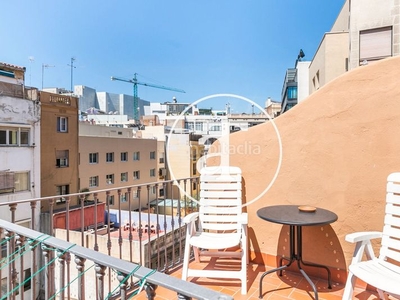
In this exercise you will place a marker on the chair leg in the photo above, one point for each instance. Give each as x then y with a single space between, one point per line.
382 295
186 258
196 253
349 288
243 276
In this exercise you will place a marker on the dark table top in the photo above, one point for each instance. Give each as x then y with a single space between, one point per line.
291 215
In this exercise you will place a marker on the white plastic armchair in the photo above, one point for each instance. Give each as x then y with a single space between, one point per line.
382 272
219 224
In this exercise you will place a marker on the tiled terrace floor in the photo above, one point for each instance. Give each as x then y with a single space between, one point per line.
290 285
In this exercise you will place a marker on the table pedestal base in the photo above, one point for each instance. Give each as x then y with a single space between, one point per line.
298 258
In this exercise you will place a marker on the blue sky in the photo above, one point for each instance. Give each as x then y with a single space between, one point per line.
203 47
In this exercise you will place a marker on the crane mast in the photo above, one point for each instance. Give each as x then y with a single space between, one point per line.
135 83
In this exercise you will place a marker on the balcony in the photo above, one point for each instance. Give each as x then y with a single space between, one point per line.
114 254
18 91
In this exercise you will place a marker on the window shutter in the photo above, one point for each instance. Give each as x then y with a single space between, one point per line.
6 180
375 43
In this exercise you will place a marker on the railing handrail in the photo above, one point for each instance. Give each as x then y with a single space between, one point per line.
95 191
184 288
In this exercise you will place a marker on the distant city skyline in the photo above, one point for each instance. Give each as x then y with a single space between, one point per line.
204 48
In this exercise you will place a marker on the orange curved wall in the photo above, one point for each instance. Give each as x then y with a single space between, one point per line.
338 147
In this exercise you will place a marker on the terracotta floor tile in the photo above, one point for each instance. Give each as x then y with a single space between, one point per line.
289 286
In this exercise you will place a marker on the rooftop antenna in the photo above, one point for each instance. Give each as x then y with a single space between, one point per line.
31 59
72 72
45 66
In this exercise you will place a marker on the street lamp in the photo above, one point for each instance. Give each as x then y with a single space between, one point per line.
43 67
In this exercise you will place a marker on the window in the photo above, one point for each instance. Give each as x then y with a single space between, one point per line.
194 169
24 137
216 128
136 155
94 181
152 172
3 248
123 197
375 44
62 158
27 280
292 92
62 190
153 155
194 154
4 288
93 158
110 179
11 182
111 199
124 177
14 136
199 126
62 124
110 157
162 172
124 156
161 192
161 159
154 189
189 125
136 175
135 194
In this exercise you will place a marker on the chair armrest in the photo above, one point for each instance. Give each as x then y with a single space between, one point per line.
363 236
190 217
244 219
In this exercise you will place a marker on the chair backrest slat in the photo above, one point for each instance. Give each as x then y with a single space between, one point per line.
392 220
390 244
220 204
393 198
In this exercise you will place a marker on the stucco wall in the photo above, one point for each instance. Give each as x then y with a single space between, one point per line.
338 147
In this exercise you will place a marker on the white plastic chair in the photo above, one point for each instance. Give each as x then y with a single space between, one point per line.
380 272
218 225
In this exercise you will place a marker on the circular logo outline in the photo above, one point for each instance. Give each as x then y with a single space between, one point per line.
240 98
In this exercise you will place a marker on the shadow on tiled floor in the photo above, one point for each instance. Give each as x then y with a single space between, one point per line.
291 285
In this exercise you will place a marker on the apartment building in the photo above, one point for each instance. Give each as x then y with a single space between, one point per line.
111 157
108 103
59 147
273 108
364 31
19 158
19 140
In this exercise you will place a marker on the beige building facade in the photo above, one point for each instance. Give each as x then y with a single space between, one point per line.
365 31
59 147
111 157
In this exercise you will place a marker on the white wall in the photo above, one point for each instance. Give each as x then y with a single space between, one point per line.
16 112
302 80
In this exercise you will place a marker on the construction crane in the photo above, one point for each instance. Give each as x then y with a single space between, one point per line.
135 83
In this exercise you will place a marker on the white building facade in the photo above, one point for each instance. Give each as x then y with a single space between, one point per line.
19 156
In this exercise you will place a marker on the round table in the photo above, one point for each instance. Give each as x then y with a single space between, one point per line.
294 217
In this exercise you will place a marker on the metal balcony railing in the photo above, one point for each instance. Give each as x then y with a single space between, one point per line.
113 254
